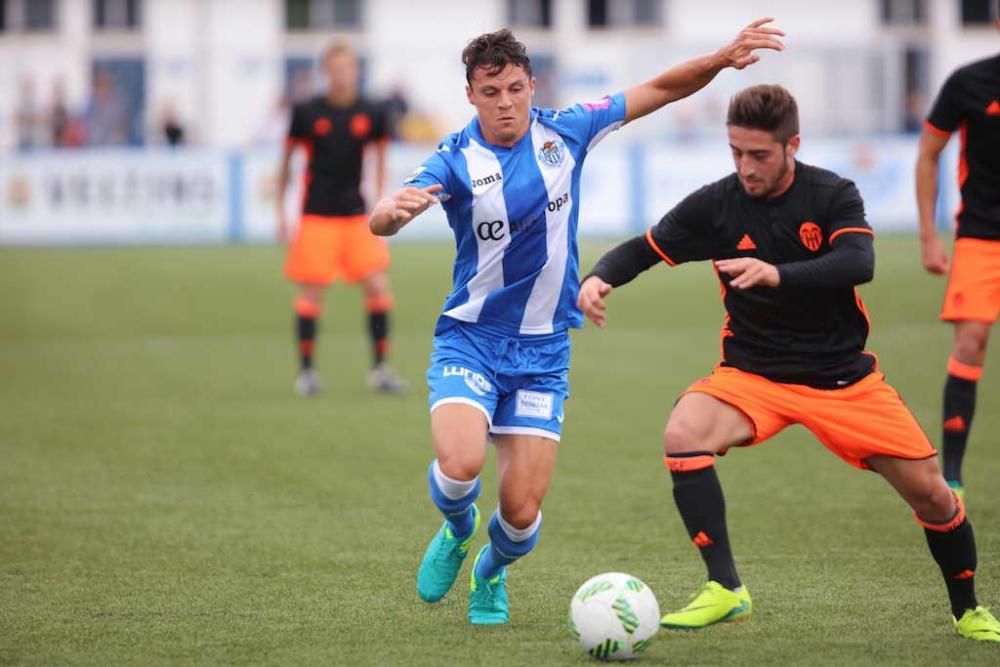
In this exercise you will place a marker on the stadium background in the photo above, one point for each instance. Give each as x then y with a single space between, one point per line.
165 499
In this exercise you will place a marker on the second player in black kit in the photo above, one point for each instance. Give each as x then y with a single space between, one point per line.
332 241
335 138
793 333
969 105
790 243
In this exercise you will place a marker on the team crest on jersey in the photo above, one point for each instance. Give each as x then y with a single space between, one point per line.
322 127
361 125
811 235
552 153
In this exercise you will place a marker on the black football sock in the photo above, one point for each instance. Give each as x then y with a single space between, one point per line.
953 546
702 506
378 330
305 327
959 408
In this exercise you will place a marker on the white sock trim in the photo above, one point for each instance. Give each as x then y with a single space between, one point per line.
519 534
453 489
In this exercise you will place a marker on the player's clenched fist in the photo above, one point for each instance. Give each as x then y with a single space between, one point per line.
934 255
591 301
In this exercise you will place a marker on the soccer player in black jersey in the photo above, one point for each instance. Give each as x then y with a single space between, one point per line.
969 103
332 240
789 242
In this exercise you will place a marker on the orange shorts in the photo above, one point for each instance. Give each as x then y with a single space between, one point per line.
326 249
974 282
865 419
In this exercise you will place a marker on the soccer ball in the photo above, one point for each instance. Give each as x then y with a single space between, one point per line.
614 616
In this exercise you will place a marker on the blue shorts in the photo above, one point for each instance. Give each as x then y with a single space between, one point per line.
519 382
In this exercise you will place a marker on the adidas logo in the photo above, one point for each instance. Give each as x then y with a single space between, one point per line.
993 109
746 243
701 540
955 423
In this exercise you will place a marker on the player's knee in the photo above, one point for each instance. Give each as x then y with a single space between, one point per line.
970 347
458 467
680 436
522 513
934 502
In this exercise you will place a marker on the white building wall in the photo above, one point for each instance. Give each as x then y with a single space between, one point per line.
220 62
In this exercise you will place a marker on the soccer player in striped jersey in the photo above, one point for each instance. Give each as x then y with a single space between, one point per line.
510 185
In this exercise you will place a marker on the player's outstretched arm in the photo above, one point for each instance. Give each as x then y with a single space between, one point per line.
616 267
393 213
689 77
933 253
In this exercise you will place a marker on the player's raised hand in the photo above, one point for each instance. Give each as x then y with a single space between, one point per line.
749 272
392 213
934 255
758 35
591 301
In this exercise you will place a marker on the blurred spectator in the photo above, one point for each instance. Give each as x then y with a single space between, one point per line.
396 108
173 131
913 114
58 116
107 116
27 118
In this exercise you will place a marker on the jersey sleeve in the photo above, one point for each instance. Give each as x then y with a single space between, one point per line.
946 114
433 170
847 213
298 128
380 123
590 122
684 233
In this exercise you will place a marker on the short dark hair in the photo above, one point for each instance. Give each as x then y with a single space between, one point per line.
494 51
765 107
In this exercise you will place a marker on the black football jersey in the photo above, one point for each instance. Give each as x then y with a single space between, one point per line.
334 138
969 103
799 335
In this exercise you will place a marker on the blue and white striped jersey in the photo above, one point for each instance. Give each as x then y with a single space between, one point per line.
513 211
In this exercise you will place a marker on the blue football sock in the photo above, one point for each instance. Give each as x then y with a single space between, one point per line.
457 511
504 550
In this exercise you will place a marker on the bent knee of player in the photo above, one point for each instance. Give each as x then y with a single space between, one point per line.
933 501
521 512
376 285
458 464
970 344
681 436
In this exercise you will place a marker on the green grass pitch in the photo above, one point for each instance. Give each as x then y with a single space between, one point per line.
165 498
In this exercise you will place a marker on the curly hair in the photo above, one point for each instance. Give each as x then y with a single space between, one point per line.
494 51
